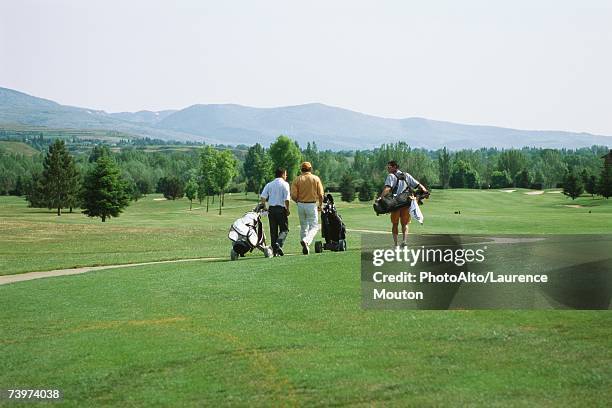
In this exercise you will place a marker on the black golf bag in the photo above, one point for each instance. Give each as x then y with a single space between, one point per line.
246 234
389 203
333 229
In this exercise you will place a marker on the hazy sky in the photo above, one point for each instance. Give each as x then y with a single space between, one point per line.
524 64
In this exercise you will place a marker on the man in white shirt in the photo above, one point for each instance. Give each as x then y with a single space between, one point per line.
396 185
277 194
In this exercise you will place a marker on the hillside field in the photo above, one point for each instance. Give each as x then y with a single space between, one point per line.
18 148
285 331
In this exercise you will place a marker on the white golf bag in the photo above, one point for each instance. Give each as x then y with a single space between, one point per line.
246 234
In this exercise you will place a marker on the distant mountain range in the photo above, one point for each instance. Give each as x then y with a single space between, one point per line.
328 126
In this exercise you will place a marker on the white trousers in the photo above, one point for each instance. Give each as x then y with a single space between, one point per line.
309 221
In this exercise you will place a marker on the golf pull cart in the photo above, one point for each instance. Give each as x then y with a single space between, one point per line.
333 229
247 234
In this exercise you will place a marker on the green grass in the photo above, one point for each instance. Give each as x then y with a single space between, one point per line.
282 331
497 212
18 148
68 133
153 229
278 332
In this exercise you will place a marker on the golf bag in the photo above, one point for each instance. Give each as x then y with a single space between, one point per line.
333 229
389 203
246 234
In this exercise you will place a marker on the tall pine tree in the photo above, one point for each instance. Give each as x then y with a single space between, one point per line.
604 186
347 188
59 184
104 191
444 167
73 183
572 186
366 191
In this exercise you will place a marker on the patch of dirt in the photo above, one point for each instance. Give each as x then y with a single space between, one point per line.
553 192
573 205
507 191
534 192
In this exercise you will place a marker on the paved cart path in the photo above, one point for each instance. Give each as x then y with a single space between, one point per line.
6 279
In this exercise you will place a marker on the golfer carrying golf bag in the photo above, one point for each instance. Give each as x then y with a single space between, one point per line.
396 182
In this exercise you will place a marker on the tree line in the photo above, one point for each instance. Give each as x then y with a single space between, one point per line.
362 173
61 180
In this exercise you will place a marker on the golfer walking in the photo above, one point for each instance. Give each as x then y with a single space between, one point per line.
277 193
396 183
307 191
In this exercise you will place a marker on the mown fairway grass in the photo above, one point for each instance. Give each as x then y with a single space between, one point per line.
151 229
283 331
155 229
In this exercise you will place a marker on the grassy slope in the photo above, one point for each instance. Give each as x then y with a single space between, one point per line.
18 148
283 331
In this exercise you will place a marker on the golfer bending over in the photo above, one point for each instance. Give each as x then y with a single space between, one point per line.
277 193
307 192
396 185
